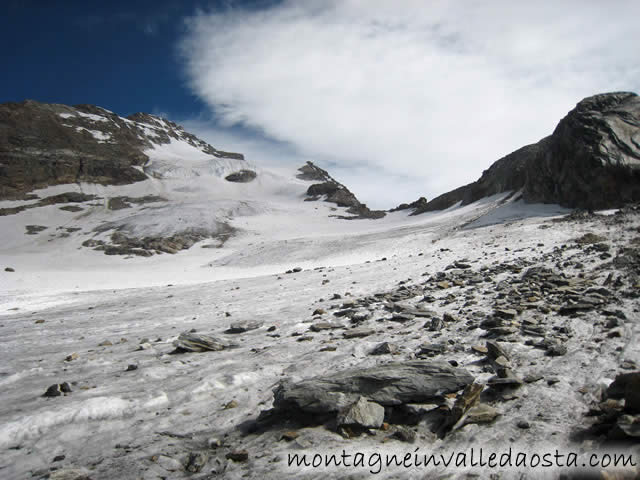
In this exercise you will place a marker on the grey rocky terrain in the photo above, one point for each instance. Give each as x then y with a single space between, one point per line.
443 349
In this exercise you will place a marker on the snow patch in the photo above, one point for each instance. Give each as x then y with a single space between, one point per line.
102 137
95 118
180 159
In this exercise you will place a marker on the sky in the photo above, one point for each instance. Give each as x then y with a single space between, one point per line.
396 99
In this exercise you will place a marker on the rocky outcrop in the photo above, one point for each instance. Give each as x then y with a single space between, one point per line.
243 176
121 244
49 144
420 203
334 192
591 161
67 197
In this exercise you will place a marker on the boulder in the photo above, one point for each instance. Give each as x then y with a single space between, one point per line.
196 342
388 384
243 176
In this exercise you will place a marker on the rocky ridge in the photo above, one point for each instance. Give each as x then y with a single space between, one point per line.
334 192
49 144
591 161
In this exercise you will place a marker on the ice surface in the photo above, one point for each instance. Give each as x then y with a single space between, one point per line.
116 420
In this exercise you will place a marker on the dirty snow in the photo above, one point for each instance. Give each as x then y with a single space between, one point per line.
142 423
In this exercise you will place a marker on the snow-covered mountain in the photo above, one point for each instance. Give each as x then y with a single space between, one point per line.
170 310
83 181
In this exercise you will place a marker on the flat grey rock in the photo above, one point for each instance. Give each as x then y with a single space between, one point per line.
196 342
388 384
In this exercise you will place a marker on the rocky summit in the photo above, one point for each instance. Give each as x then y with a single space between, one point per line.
590 161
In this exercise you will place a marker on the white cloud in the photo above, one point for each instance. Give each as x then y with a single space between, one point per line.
428 91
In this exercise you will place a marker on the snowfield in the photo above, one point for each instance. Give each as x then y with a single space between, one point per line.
106 325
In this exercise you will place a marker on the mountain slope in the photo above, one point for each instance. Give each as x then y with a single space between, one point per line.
140 185
50 144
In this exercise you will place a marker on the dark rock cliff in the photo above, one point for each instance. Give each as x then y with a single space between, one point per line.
592 161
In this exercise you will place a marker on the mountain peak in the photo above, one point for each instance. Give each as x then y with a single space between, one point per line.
591 161
45 144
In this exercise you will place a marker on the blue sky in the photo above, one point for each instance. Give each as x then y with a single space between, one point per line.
121 55
397 103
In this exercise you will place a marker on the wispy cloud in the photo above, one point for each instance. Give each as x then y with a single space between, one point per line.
428 91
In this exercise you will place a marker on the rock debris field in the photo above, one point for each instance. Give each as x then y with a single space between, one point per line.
521 334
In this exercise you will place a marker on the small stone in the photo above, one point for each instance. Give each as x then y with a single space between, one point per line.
58 458
71 357
40 320
214 443
236 328
196 461
502 361
320 326
358 333
131 368
385 348
362 413
434 325
448 317
319 311
432 349
404 434
329 348
481 413
402 317
106 343
523 424
480 349
238 455
443 285
615 333
290 435
53 391
506 313
168 463
556 349
231 404
9 269
532 378
194 342
494 350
